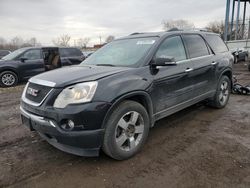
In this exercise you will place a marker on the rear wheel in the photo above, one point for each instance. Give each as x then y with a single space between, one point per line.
221 97
8 79
126 130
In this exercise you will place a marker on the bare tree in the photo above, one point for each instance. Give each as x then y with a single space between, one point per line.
62 40
216 27
17 42
109 38
179 24
2 41
32 41
83 42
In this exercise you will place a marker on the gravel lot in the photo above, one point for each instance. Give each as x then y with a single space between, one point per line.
197 147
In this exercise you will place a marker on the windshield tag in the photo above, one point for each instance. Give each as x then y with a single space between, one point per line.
145 42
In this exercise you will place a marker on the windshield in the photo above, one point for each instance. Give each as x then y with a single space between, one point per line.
125 52
14 54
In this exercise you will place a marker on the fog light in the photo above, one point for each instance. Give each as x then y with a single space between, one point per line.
68 125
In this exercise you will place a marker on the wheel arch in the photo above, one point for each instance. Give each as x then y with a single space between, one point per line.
9 69
229 73
141 97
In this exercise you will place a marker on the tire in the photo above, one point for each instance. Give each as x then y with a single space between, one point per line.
8 79
222 95
126 130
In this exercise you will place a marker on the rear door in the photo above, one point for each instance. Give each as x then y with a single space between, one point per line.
204 63
33 64
172 85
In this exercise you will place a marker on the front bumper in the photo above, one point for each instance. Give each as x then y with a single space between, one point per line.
82 143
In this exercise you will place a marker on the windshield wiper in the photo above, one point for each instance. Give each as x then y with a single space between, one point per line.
110 65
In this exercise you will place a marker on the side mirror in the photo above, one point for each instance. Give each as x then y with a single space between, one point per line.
164 61
23 59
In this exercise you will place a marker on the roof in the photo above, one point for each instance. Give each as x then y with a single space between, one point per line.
165 33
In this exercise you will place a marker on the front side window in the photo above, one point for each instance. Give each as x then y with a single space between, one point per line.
32 54
196 46
124 52
172 47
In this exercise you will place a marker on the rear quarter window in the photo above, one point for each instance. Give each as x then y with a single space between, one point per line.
196 45
216 43
69 52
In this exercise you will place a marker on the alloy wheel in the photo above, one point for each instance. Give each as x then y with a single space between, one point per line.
224 92
129 131
8 79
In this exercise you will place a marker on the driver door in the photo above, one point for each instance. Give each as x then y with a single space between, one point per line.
33 63
173 84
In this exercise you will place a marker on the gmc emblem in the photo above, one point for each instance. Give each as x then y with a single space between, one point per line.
33 92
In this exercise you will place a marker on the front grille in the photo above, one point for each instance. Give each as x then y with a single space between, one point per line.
39 92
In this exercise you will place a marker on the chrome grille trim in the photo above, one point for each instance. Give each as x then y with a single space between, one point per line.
42 82
24 99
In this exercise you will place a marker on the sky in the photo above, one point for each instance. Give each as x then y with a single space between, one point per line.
48 19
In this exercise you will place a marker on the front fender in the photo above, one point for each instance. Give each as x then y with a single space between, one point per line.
130 96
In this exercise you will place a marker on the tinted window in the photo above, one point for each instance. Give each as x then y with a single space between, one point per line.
69 52
196 46
172 47
216 43
32 54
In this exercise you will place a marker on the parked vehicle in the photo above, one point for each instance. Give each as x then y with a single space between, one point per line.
27 62
88 53
240 54
111 100
4 53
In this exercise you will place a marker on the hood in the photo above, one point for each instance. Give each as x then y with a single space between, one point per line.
75 74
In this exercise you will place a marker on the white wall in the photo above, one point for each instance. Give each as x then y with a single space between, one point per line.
239 44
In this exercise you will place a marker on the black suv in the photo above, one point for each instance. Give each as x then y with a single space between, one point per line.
27 62
112 99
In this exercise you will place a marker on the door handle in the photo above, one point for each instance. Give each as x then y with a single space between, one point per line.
214 63
189 70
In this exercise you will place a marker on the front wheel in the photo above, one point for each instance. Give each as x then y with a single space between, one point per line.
8 79
221 97
126 130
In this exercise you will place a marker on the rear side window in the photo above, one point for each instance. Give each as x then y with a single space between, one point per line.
172 47
216 43
69 52
196 46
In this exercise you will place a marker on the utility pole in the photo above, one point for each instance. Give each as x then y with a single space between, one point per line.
227 20
249 29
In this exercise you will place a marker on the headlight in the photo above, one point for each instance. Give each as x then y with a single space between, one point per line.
79 93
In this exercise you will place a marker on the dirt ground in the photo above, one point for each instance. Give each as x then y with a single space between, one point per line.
197 147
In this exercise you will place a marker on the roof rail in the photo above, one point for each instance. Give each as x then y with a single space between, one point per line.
190 29
136 33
